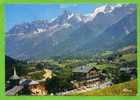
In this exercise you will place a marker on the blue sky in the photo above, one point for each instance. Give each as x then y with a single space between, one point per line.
16 14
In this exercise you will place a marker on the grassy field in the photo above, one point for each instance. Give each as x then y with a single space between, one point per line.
129 57
101 66
122 89
105 53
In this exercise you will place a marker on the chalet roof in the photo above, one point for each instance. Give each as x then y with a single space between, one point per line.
25 82
14 90
15 76
82 69
33 82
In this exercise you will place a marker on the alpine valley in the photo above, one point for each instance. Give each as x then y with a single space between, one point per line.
108 27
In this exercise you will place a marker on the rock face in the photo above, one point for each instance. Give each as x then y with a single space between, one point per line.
74 34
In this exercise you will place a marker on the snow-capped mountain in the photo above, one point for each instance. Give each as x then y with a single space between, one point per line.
68 17
67 33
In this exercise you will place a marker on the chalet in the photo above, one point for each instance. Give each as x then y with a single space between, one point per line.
85 75
35 87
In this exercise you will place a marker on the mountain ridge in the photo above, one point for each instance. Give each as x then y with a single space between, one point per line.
68 33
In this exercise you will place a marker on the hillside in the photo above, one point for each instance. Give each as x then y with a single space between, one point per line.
127 88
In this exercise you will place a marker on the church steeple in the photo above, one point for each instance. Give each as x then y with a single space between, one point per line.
14 79
15 76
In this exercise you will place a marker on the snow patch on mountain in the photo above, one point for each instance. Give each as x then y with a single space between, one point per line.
66 25
39 30
106 9
70 16
103 9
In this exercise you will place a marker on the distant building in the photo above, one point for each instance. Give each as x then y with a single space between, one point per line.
85 75
127 69
132 71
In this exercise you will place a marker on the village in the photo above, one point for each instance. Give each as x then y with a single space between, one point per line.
89 79
80 76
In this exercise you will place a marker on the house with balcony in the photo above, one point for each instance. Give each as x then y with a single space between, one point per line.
85 75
